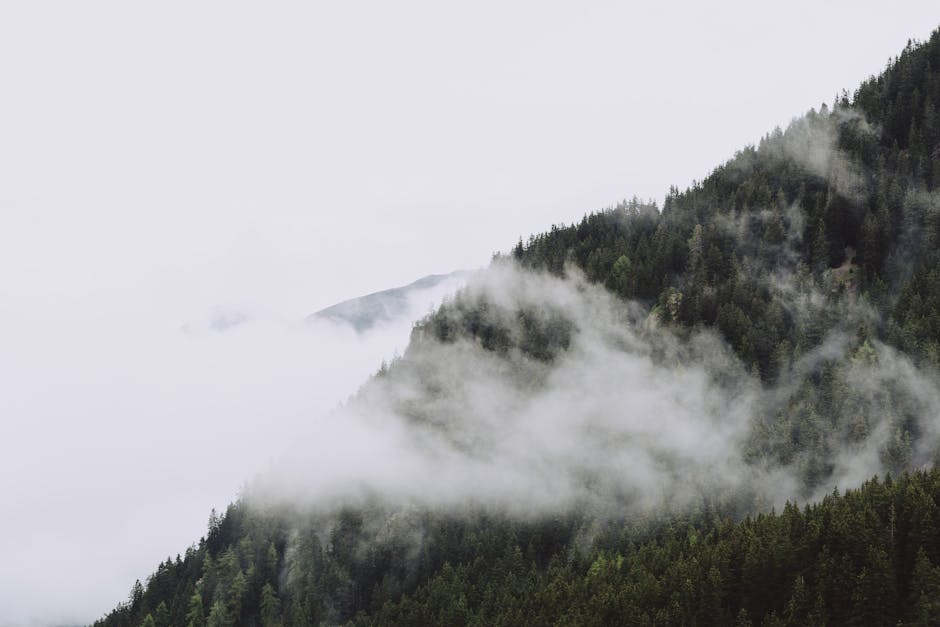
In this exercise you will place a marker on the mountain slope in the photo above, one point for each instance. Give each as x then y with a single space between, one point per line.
584 421
365 312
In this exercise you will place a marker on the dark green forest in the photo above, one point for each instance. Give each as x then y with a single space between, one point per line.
824 234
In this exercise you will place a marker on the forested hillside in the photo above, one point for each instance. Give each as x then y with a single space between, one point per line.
607 418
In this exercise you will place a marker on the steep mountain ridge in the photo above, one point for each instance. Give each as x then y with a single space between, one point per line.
793 295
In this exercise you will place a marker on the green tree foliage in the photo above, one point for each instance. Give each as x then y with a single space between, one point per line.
270 607
196 616
830 226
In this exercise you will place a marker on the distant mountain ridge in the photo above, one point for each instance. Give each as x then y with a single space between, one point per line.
366 312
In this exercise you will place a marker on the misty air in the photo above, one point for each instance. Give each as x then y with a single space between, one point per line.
424 314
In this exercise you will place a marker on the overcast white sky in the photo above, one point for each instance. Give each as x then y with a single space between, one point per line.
162 161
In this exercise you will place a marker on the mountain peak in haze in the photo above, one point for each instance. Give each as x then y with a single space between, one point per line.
366 312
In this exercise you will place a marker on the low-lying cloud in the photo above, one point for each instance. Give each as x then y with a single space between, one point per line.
123 425
626 417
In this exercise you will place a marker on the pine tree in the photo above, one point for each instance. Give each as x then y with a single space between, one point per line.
196 616
270 607
162 616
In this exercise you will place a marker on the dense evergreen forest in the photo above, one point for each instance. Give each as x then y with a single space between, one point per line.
814 257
